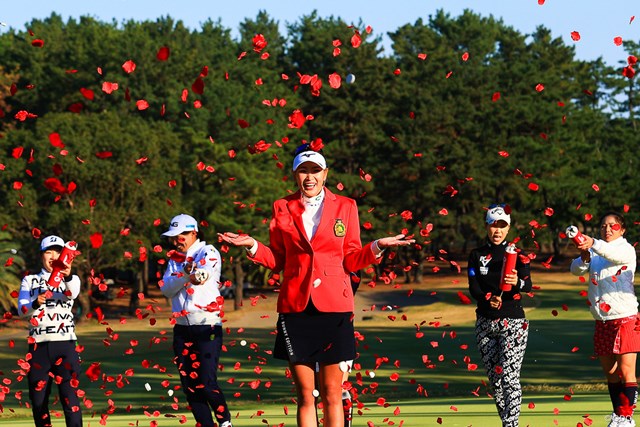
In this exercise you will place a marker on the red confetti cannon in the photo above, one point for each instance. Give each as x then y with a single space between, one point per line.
574 234
508 264
69 252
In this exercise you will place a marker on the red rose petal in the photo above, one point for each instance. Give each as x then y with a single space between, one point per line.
163 53
335 81
96 240
628 72
55 140
356 40
259 43
109 87
87 93
198 86
129 66
296 119
463 298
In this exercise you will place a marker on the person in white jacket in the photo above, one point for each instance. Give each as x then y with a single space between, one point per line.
192 282
611 263
52 337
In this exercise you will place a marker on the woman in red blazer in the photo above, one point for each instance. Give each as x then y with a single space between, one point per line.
315 241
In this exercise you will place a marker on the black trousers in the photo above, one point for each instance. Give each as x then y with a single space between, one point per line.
60 359
197 350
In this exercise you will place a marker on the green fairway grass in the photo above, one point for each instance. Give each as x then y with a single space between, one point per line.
417 363
549 410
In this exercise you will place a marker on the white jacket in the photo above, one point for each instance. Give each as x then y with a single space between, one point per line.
194 304
611 270
53 320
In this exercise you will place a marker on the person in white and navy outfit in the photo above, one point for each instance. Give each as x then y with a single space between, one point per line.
52 337
192 282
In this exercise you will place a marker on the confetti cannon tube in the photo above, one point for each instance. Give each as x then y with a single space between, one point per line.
508 264
574 234
69 252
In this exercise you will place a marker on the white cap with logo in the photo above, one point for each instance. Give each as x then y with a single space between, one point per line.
498 213
51 241
309 156
180 224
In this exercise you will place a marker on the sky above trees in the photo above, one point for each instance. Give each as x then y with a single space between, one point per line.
597 22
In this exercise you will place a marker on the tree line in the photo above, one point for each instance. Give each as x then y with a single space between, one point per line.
109 129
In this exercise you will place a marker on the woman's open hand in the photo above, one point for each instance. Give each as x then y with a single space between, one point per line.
399 240
237 239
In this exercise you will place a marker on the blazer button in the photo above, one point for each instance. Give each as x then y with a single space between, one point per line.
316 283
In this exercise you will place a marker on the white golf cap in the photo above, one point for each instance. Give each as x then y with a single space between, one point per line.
51 241
309 156
181 223
498 213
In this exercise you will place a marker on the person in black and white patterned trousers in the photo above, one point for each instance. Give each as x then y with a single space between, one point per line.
501 327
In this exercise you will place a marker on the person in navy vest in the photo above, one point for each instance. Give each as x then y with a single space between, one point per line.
192 282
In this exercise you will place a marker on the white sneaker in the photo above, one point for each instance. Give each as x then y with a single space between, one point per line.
226 424
620 421
626 422
614 420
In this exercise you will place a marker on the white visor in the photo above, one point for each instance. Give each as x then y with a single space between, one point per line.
309 156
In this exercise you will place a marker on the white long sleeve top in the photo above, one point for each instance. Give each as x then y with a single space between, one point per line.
194 304
611 272
53 320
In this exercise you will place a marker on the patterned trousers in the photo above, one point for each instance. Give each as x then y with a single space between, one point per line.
502 343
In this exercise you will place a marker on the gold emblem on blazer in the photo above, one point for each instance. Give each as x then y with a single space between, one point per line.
339 229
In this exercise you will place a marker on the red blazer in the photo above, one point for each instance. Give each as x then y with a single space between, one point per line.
318 268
